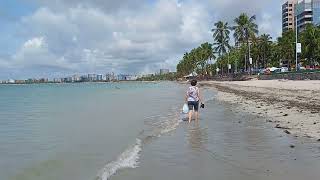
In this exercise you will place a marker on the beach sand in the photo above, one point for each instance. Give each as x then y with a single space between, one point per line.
293 106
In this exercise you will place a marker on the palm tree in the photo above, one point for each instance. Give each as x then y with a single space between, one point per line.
221 37
197 59
222 46
221 29
264 47
286 45
201 57
310 39
188 63
245 29
208 53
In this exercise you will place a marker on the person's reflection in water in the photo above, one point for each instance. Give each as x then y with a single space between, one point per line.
197 137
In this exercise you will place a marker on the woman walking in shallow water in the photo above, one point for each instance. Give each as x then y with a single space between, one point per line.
193 98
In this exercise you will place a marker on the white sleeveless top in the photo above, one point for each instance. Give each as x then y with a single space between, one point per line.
192 93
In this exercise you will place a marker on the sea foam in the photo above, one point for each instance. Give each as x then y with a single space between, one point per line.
128 159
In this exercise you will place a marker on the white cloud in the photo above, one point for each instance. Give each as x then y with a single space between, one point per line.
109 6
35 53
31 49
124 35
89 38
34 43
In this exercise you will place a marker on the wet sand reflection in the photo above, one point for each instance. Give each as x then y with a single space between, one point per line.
197 136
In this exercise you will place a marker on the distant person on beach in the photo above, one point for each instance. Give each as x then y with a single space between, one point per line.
193 98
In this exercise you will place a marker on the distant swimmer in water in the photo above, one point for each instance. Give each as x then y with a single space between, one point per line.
193 97
117 87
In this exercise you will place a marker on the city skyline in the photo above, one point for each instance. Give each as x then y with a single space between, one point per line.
46 38
84 77
75 78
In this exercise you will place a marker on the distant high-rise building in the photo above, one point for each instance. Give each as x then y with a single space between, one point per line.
110 77
10 81
307 12
288 15
57 80
76 78
302 12
84 78
164 71
122 77
92 77
43 80
99 77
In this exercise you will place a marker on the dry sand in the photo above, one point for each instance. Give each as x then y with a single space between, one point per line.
293 106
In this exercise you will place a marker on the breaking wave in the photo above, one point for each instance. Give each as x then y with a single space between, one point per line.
156 126
128 159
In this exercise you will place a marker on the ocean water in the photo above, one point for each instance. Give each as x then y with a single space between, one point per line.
133 131
81 131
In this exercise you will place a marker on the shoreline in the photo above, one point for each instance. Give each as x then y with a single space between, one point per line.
92 82
293 106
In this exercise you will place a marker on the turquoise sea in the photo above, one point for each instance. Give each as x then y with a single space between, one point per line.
100 131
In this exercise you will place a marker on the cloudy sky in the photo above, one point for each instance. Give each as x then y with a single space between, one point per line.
54 38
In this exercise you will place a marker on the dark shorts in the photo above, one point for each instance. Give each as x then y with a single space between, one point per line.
193 105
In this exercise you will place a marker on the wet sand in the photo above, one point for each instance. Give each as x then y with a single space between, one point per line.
293 106
226 145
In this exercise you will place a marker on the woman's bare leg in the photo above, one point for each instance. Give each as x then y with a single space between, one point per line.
190 115
197 115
